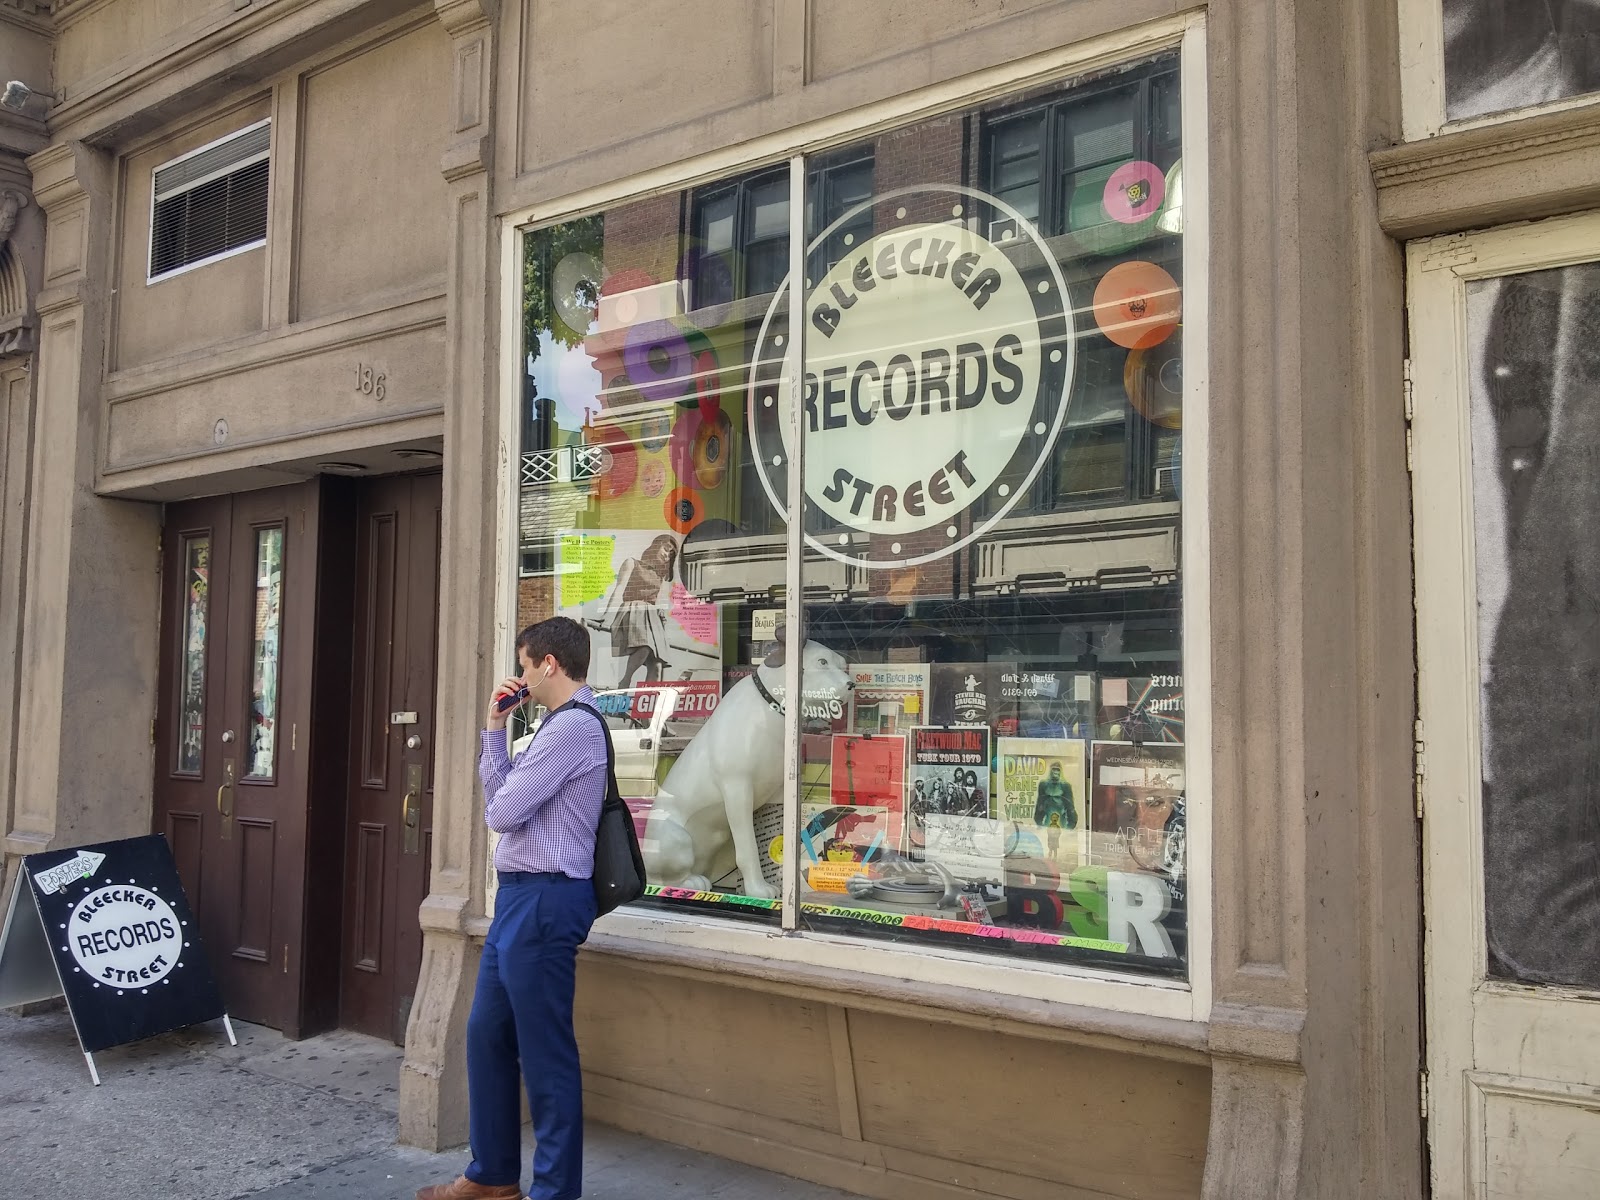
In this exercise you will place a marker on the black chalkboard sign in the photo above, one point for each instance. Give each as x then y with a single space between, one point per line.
124 944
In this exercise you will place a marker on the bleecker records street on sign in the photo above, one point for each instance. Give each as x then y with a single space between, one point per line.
938 365
117 926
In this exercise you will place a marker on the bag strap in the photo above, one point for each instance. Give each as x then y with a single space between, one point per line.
613 789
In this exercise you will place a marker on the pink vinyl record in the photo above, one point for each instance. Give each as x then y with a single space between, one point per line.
1134 192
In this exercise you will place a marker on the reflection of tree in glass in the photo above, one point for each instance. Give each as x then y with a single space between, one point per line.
545 250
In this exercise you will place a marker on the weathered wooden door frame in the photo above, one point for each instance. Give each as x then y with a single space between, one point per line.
1478 1053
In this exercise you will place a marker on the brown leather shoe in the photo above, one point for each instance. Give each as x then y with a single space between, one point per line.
464 1189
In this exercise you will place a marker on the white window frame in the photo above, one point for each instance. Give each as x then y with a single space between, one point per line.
150 233
1422 100
1069 983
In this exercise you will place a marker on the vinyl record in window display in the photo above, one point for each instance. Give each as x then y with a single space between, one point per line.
619 465
575 290
658 360
1134 193
1098 230
654 432
1137 305
653 477
684 509
1153 380
709 454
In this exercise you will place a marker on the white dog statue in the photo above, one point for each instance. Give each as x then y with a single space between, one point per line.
701 824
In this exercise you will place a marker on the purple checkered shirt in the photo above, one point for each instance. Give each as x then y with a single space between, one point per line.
546 805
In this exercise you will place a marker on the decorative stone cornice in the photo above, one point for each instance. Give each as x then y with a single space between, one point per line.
32 14
58 174
1510 170
460 17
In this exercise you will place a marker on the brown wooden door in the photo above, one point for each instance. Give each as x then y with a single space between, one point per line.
390 821
235 691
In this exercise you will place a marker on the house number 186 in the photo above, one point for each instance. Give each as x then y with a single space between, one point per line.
370 382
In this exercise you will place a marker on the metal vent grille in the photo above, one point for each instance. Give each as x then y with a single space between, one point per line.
211 202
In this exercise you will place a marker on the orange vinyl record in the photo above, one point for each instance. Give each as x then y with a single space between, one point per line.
1137 305
709 453
684 509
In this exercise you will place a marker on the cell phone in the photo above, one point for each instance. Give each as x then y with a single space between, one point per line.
511 700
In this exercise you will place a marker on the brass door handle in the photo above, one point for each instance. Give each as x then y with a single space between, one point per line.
225 801
411 811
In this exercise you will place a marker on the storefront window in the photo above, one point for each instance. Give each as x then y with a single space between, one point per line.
640 515
991 711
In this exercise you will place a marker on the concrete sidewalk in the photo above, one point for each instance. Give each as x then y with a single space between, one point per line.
188 1117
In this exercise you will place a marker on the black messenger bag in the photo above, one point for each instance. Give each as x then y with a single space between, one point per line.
618 864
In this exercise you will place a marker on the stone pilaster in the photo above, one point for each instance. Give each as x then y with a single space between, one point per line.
433 1085
1314 1030
87 650
21 265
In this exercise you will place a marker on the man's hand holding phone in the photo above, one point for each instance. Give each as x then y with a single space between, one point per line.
511 695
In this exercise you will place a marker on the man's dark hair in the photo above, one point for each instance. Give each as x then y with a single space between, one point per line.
563 639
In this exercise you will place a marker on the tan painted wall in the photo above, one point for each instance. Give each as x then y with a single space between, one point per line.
276 396
919 1104
372 199
200 307
846 34
24 55
119 31
672 79
582 92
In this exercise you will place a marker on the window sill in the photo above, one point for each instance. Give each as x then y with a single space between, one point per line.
1145 1016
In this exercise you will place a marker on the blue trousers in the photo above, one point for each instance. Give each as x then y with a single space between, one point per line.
521 1023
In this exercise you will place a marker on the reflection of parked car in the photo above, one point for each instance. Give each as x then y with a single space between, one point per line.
643 728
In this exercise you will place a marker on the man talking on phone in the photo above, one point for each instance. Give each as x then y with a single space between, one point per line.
545 806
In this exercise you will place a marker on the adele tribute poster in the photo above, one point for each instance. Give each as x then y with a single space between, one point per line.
1535 394
1505 54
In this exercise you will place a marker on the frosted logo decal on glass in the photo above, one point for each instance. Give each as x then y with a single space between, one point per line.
935 373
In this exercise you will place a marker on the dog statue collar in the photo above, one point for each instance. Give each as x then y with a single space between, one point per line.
766 694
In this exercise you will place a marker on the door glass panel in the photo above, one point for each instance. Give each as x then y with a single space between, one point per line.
1508 54
267 620
192 670
1535 371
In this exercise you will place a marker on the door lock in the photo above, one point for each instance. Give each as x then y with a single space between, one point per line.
227 737
413 742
